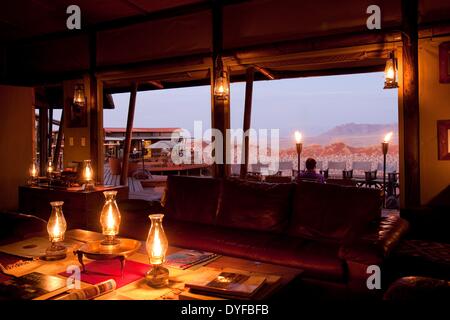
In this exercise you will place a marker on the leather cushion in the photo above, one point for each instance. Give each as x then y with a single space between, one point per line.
192 199
255 205
319 260
326 211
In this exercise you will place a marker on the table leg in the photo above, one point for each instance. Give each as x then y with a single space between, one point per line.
122 265
80 259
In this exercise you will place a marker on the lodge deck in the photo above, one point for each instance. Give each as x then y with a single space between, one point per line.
136 190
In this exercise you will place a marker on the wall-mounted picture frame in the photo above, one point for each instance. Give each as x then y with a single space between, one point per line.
443 133
444 62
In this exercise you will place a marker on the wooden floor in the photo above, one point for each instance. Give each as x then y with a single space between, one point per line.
136 191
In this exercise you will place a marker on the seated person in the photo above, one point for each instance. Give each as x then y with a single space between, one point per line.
310 172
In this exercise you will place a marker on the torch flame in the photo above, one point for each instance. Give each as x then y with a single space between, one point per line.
388 137
298 137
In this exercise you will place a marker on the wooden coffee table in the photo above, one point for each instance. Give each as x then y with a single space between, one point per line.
139 290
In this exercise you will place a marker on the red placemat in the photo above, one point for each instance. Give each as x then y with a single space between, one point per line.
99 271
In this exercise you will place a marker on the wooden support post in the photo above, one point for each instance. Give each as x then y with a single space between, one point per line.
50 131
247 119
129 132
59 140
43 141
95 138
96 112
411 103
220 109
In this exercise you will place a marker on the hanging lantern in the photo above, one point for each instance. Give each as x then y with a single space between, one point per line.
390 73
221 83
79 96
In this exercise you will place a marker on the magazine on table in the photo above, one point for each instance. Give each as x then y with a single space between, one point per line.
32 286
187 258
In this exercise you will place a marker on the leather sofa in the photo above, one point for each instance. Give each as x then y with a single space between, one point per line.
332 232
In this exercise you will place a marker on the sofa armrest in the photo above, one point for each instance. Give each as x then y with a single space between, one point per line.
18 226
374 246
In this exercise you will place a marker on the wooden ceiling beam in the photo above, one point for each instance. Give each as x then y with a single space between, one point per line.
157 84
265 72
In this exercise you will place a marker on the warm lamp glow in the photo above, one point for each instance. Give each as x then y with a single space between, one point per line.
50 166
34 172
56 226
221 82
298 137
110 217
390 73
156 244
79 96
221 88
88 172
388 137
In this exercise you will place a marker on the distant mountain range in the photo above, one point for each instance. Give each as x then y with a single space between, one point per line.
355 135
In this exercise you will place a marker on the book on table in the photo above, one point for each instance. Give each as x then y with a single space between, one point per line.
227 284
32 286
187 258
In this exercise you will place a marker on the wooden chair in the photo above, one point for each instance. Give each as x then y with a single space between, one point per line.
336 166
360 167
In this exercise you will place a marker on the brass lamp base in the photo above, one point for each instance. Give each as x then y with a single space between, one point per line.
89 186
157 276
110 241
55 252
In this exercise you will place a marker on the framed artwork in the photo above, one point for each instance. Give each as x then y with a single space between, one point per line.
444 62
443 133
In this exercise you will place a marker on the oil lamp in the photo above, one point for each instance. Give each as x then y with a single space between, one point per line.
79 96
299 145
221 83
50 168
110 218
34 173
156 245
88 175
390 73
56 228
384 149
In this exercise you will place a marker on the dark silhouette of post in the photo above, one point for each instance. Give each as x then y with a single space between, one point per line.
247 120
129 132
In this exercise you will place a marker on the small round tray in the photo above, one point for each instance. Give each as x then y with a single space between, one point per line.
95 250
